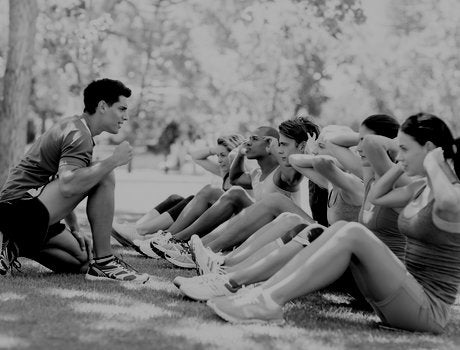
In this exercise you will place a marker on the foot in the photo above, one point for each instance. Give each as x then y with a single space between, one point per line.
115 270
205 259
181 258
251 307
205 287
8 255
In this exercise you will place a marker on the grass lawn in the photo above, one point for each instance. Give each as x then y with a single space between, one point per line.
43 310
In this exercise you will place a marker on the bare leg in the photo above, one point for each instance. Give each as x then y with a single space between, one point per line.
148 217
253 218
62 253
232 202
159 222
251 272
266 234
332 254
205 197
100 211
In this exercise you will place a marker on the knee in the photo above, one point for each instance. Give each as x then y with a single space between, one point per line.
234 194
351 233
174 198
290 217
205 192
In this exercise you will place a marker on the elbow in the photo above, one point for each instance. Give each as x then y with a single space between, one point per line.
322 165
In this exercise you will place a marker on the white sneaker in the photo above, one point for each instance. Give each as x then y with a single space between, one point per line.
178 280
180 258
208 286
205 259
144 248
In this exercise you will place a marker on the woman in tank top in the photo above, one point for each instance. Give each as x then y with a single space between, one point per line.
416 295
259 257
170 213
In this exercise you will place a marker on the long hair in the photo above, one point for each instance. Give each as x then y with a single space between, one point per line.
382 124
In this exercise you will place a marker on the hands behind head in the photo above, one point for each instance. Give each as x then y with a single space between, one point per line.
435 156
272 146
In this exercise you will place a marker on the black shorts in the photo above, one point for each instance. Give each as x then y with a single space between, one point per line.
25 221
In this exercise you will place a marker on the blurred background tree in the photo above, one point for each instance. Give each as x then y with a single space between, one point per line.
216 66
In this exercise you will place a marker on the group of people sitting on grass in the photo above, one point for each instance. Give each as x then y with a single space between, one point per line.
384 224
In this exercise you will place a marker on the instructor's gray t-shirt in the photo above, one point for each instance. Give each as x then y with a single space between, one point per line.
69 142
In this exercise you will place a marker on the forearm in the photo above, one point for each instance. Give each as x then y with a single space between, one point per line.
78 181
345 139
237 167
442 179
301 160
71 221
202 153
385 184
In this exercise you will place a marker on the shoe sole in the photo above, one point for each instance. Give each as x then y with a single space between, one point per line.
234 320
199 272
106 279
122 240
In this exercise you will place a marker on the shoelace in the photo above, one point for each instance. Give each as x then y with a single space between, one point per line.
124 264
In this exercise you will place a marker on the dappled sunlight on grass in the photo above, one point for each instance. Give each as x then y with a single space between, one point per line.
9 317
11 296
345 315
134 311
221 335
7 342
154 283
73 293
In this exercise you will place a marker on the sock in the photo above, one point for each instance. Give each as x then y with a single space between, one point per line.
104 259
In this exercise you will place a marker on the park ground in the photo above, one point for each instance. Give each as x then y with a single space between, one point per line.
43 310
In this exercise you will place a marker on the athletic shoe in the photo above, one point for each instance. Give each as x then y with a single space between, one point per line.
115 270
205 259
181 259
250 307
171 247
208 286
125 234
178 280
144 248
8 256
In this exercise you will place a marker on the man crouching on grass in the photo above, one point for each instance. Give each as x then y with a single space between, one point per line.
54 176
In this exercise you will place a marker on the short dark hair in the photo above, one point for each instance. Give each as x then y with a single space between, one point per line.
107 90
298 129
424 127
382 124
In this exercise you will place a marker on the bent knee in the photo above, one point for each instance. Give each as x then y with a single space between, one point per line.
352 233
290 217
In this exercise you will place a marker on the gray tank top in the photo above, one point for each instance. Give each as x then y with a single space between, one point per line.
433 258
383 222
338 209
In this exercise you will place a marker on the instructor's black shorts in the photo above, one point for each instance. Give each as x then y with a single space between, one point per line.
25 221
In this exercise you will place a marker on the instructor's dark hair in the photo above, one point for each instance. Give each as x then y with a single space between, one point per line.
107 90
424 127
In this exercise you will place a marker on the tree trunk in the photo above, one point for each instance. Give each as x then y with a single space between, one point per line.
17 83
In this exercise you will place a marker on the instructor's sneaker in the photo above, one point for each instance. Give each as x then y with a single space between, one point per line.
205 259
115 270
8 256
208 286
251 307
